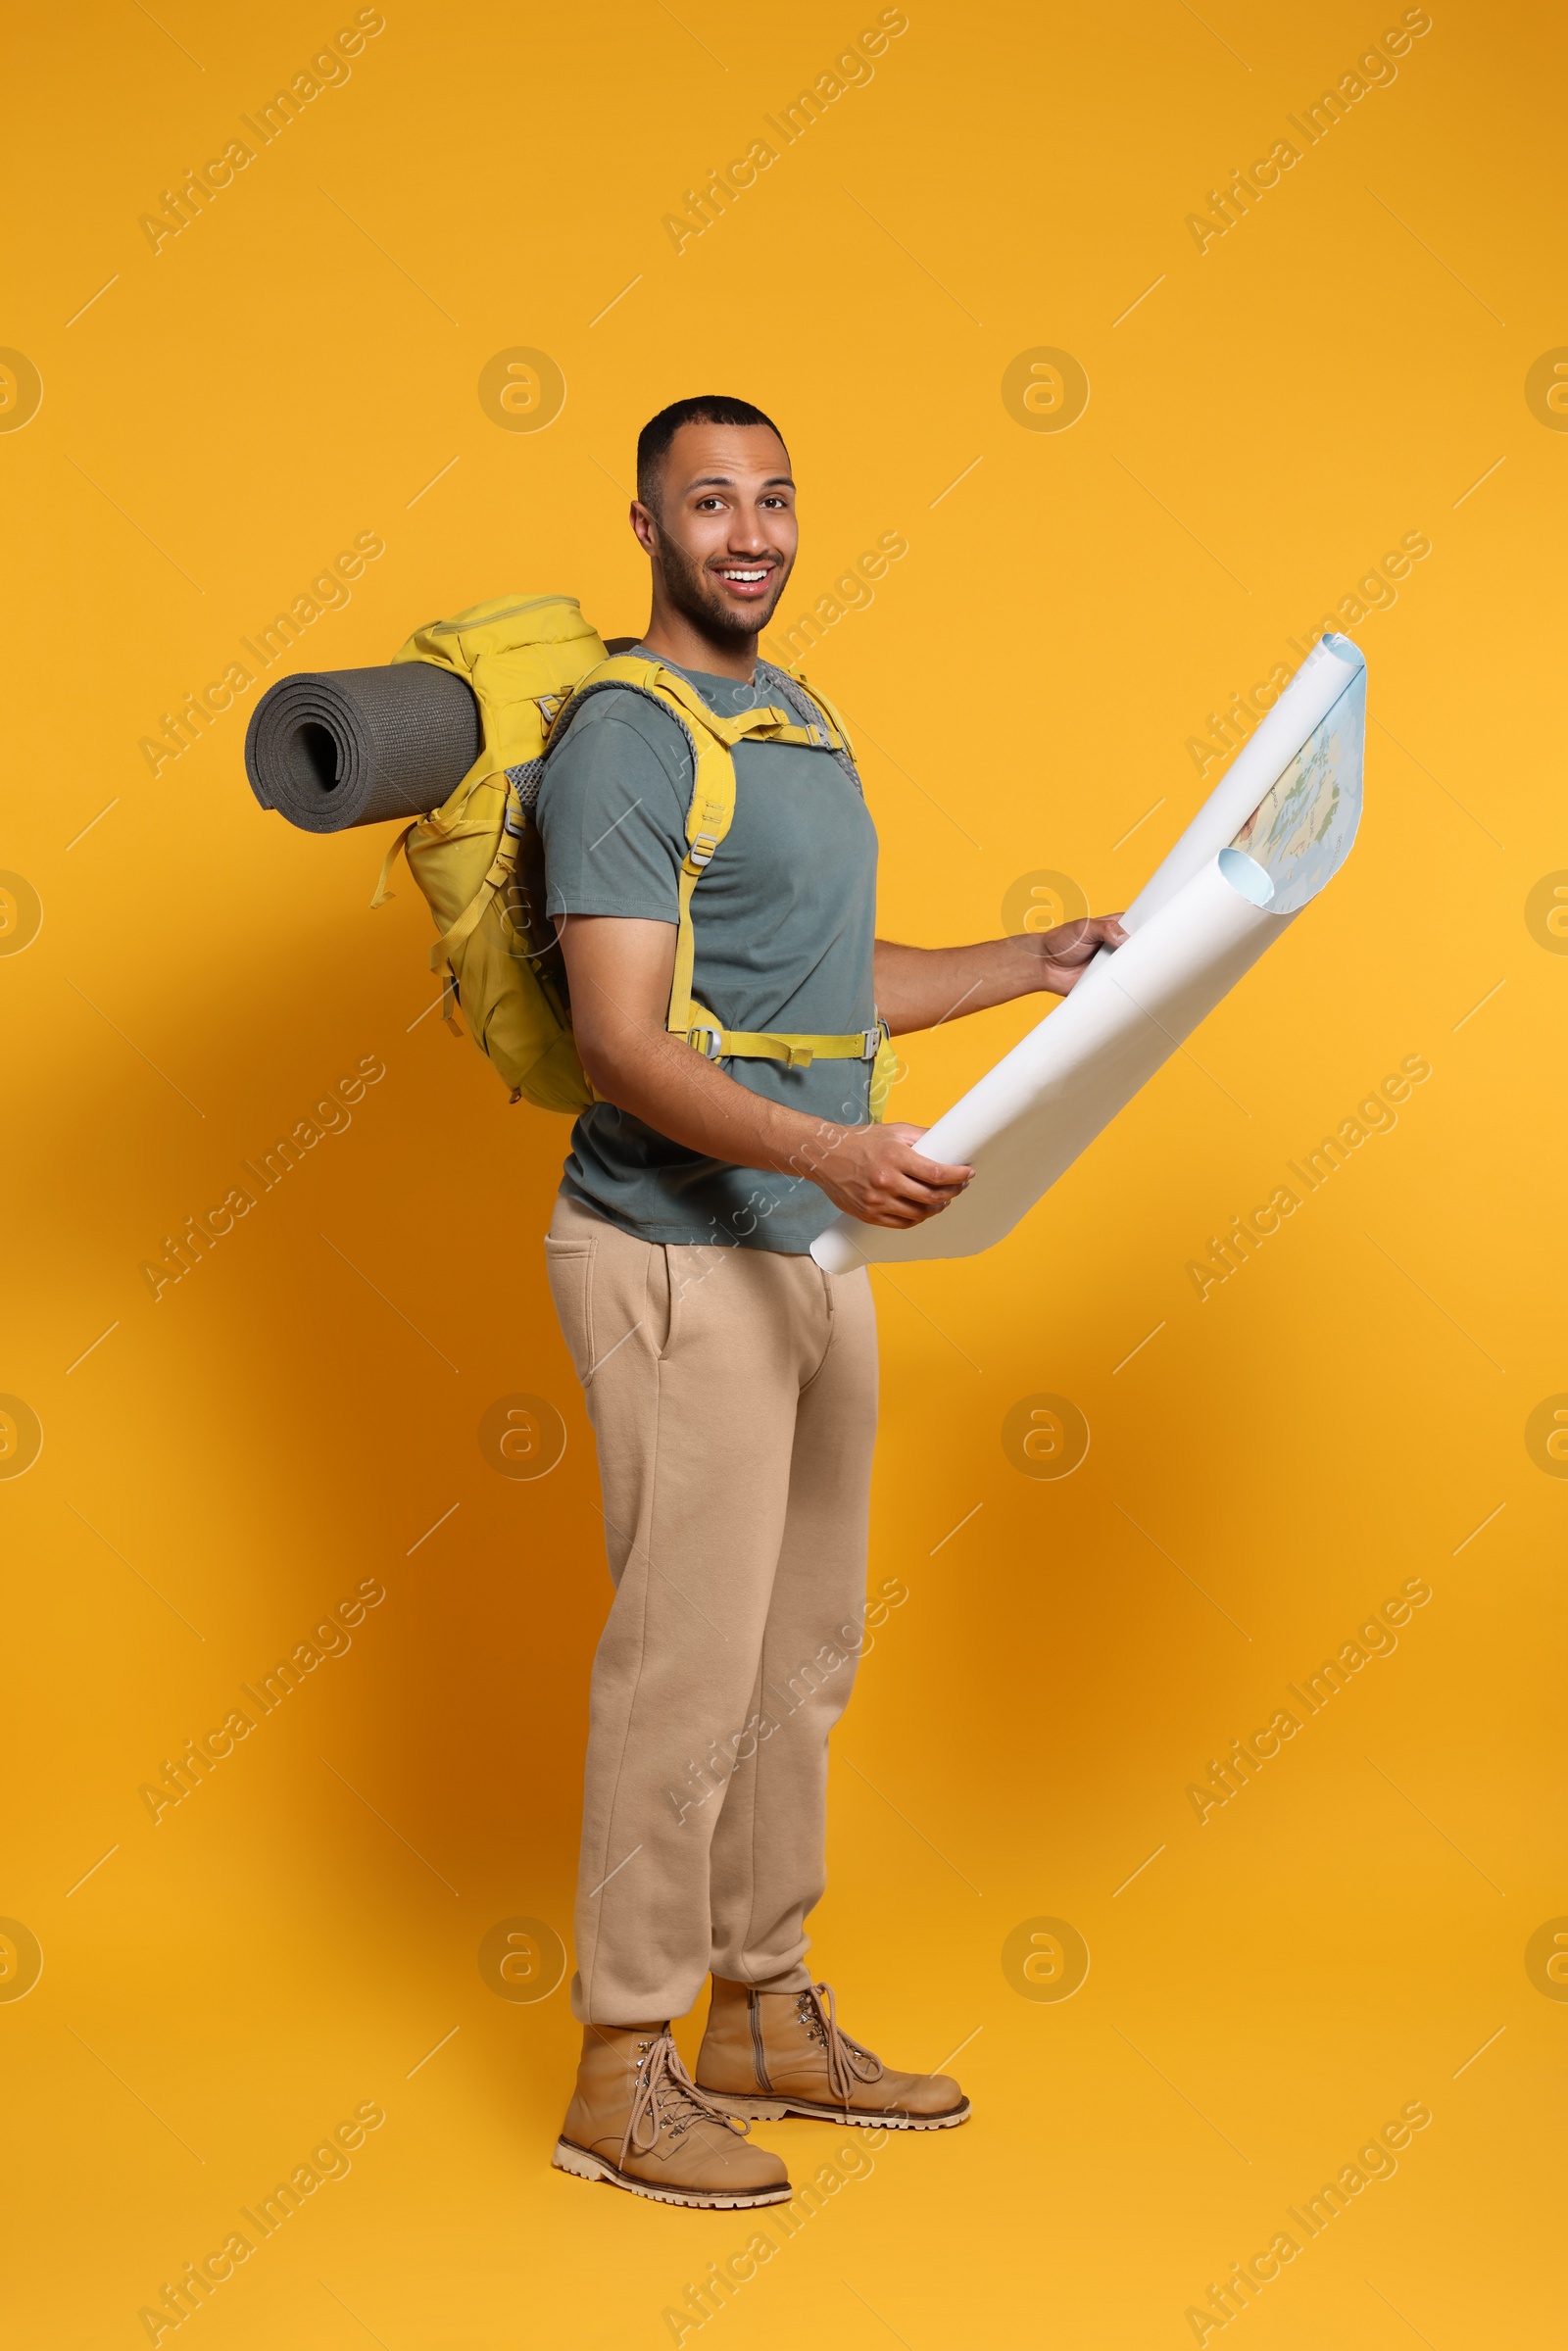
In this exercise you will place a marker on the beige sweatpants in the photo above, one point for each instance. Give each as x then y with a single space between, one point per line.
733 1398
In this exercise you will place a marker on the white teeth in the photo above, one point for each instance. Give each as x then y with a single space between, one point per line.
748 578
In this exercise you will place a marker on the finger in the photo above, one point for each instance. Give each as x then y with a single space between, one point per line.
917 1214
900 1195
898 1218
927 1176
907 1191
909 1137
936 1173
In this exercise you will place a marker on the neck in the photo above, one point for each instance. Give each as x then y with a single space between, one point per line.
677 637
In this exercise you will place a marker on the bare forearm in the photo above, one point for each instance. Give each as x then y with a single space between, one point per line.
620 975
868 1171
921 987
672 1089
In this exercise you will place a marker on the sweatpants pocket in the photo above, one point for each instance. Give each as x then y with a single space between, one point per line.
570 1266
663 1298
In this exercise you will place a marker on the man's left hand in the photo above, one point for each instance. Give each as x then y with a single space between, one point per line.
1066 952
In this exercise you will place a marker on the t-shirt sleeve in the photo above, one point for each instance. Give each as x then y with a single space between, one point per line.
612 813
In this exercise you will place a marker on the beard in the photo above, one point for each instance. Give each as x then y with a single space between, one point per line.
692 592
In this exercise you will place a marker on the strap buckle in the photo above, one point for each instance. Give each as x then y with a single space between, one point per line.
873 1042
706 1042
702 848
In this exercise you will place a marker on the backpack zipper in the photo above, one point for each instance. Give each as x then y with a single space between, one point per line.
753 2004
461 629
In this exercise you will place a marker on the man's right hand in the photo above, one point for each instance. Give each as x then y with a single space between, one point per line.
875 1173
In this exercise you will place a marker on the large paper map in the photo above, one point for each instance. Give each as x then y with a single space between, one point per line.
1301 830
1274 831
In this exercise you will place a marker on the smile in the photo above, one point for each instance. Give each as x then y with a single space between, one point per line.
749 580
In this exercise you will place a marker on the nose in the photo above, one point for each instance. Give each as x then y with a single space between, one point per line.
746 534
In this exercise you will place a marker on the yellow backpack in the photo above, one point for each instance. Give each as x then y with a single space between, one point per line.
479 859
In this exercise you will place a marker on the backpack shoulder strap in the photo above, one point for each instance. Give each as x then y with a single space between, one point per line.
709 817
711 806
838 733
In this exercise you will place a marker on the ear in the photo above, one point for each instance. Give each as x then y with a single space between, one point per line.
645 523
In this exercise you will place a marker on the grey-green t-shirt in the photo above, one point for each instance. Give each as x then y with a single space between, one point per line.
784 918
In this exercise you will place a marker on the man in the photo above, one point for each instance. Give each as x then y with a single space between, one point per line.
731 1383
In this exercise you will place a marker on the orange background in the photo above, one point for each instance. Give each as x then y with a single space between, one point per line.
1266 417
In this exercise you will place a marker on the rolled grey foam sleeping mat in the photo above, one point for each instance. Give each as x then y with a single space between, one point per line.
337 748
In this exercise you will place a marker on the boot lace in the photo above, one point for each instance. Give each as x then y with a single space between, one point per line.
847 2063
666 2098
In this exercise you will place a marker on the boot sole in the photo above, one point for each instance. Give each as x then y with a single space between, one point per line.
776 2110
568 2157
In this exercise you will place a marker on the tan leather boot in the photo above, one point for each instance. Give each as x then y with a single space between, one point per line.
638 2121
769 2053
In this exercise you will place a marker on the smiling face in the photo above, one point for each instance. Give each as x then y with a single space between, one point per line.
722 537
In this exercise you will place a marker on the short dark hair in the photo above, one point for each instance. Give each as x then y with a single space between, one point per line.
705 408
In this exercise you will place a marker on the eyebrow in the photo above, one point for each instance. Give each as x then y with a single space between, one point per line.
727 481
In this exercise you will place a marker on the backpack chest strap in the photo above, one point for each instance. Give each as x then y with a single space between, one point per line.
715 1043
